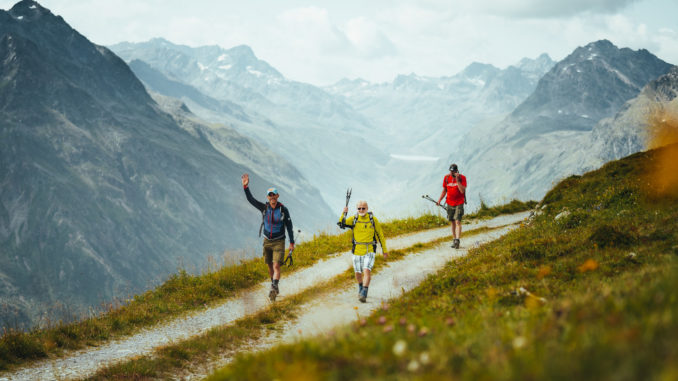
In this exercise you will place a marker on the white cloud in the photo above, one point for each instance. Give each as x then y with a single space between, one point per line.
534 8
310 28
367 39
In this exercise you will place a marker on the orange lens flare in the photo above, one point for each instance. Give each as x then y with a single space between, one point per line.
663 174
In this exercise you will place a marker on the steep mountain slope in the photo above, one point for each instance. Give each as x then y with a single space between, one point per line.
288 117
628 131
102 192
548 136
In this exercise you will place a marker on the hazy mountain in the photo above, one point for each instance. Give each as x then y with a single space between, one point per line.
315 131
548 136
104 193
429 114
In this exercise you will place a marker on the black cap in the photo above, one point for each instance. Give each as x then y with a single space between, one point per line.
453 168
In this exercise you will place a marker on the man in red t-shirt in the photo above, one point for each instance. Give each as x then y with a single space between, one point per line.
454 185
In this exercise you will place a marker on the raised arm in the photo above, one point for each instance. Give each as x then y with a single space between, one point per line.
245 178
461 183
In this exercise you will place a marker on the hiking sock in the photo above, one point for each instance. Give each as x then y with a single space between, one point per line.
275 282
360 286
365 290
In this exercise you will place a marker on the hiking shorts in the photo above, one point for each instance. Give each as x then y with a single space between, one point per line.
274 251
363 262
455 213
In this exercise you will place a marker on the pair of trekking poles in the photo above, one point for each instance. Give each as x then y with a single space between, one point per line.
348 197
343 226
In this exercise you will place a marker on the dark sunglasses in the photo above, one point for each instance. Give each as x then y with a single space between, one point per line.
362 208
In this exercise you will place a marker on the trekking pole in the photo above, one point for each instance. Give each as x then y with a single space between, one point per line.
289 259
289 254
343 216
427 197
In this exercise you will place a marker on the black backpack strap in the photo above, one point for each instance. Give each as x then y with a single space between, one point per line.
263 218
374 228
283 215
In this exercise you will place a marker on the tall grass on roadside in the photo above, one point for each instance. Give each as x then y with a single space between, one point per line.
591 295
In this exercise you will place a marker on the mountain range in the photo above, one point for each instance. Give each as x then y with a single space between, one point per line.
104 193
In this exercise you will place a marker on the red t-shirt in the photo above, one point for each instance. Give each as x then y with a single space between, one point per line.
454 196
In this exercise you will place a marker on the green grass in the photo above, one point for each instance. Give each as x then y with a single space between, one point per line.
590 295
180 293
514 206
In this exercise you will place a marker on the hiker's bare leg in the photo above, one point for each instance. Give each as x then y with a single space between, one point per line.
274 271
457 229
366 278
359 277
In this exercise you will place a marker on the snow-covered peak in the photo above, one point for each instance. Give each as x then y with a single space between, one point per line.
541 64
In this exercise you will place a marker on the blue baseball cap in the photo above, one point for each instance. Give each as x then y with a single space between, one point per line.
271 190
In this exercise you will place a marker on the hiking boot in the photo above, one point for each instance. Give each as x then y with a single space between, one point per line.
363 295
273 293
456 244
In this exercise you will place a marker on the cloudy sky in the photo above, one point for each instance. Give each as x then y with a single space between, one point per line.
320 42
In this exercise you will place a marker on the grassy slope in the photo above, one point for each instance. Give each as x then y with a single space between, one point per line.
591 295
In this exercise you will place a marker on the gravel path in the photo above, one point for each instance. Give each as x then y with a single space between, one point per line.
83 363
320 316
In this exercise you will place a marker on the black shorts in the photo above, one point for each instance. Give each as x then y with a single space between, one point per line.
455 213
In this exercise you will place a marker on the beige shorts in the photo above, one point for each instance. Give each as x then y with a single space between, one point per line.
455 213
274 251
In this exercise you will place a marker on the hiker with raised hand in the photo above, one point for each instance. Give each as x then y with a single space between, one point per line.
276 218
454 185
366 233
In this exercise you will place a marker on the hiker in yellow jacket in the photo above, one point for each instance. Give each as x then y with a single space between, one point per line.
366 233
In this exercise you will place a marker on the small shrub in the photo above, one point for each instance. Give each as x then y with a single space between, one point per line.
609 236
22 346
530 250
574 220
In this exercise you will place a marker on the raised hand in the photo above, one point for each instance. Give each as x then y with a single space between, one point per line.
245 179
